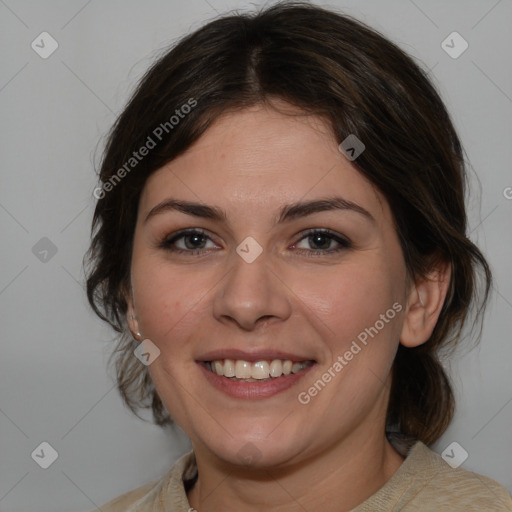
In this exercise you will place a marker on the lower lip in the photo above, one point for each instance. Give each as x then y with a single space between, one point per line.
253 390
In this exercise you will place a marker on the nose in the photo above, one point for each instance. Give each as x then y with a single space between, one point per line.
252 294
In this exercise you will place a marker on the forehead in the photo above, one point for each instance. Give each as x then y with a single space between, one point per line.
254 160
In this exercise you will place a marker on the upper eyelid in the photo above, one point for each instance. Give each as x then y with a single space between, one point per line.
189 231
183 233
302 234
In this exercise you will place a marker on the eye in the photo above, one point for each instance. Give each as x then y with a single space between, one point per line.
324 238
193 242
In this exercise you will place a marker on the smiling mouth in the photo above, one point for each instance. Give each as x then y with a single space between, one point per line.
258 371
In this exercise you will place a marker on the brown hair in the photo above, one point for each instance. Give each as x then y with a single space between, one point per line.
331 66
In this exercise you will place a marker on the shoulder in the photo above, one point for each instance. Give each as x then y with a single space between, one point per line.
457 487
167 491
425 482
126 501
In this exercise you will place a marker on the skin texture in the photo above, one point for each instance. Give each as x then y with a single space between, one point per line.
330 453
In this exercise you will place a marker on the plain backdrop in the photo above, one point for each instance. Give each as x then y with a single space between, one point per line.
55 112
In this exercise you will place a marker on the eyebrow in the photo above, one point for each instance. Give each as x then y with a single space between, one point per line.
287 213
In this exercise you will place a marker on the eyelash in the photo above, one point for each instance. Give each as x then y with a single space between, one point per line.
167 242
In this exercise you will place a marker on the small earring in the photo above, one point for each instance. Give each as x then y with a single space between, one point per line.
137 334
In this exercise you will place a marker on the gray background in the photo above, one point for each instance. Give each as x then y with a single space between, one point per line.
53 380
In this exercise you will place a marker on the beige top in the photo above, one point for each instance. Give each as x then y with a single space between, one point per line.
424 482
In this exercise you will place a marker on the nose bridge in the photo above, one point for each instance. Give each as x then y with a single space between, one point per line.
251 289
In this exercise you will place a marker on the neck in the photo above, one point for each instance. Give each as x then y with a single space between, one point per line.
335 480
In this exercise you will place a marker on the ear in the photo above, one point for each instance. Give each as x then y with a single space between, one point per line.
131 317
424 305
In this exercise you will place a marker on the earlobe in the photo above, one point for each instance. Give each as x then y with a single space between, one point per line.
424 305
132 320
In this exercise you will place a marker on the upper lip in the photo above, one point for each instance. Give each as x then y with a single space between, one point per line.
257 355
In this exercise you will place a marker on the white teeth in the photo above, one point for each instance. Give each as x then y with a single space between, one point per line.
296 367
243 370
287 367
276 368
258 370
219 367
229 367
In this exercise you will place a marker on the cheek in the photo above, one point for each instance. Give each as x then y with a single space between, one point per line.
167 300
350 298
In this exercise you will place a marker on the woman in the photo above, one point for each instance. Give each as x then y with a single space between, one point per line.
280 240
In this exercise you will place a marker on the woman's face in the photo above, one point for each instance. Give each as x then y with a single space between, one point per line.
258 286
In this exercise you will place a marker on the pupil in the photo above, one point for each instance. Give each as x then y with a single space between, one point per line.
195 238
321 237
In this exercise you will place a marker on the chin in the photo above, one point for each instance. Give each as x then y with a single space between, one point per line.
255 453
